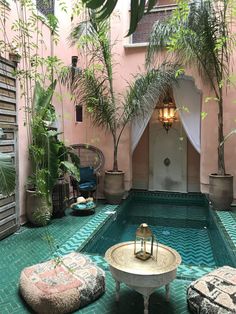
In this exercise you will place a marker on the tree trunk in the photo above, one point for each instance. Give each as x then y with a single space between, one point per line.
115 162
221 161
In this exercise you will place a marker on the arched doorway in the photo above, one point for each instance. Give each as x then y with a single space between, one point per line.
180 148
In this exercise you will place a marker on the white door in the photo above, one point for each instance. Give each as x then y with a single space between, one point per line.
167 158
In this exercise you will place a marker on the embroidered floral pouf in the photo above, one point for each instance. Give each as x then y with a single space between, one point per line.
62 286
214 292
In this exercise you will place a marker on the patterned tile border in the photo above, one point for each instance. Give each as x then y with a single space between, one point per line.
85 234
227 223
193 198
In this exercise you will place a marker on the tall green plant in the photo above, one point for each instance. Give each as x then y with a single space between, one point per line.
94 85
200 34
43 148
7 174
49 156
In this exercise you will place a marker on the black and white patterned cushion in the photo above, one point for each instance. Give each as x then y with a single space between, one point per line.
214 293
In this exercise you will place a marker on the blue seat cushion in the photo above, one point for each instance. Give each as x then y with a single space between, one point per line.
87 175
88 186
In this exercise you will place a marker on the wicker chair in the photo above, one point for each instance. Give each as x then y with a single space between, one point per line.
90 158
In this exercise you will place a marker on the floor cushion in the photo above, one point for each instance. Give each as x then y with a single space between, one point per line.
62 286
214 293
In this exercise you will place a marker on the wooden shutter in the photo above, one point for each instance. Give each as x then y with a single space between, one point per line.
9 215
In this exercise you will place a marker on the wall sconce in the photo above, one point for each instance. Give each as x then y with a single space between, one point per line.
75 70
144 241
74 61
166 112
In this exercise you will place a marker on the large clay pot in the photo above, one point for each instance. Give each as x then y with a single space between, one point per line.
114 187
38 212
221 191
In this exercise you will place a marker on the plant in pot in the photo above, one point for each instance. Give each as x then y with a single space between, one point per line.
199 34
68 165
94 88
49 159
42 153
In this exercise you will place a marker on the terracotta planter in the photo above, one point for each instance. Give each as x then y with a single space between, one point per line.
114 187
37 210
221 191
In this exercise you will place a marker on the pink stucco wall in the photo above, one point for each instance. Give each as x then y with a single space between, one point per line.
129 61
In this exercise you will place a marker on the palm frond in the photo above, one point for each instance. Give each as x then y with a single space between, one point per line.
93 87
7 175
146 90
82 29
203 37
159 39
92 92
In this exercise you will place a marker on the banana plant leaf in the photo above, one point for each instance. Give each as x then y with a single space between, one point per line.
106 7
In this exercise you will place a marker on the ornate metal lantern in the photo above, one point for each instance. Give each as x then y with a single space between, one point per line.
166 112
143 245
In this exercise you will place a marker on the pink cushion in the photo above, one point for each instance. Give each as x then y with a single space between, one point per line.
62 286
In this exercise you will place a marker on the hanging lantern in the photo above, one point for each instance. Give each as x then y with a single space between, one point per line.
166 112
143 245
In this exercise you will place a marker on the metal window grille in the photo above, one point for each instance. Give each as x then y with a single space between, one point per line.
45 6
141 35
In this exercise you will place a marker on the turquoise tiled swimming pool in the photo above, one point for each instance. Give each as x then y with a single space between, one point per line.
186 225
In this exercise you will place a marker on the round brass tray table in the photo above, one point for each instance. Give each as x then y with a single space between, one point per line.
142 276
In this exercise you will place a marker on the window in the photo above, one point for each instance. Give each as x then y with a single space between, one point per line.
144 27
45 6
78 113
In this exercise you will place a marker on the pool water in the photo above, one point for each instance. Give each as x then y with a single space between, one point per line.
182 227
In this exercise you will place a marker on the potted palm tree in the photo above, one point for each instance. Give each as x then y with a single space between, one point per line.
94 88
199 33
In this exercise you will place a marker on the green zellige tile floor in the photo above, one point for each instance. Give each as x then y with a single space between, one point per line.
28 247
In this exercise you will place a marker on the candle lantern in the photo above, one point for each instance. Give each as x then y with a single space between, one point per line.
143 245
167 112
